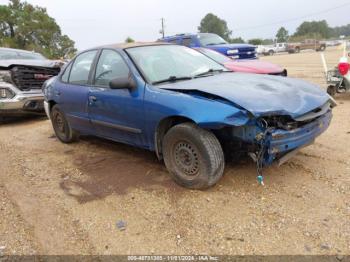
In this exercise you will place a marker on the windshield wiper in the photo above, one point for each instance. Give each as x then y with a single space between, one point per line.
172 79
210 71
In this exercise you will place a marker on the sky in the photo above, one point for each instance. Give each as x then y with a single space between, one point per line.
93 23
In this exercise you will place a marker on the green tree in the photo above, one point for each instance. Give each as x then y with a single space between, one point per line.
341 30
129 40
267 41
255 41
314 28
29 27
237 40
213 24
282 35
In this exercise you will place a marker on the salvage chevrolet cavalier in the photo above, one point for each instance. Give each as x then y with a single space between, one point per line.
184 106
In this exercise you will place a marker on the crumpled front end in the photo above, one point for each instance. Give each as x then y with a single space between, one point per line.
278 138
281 144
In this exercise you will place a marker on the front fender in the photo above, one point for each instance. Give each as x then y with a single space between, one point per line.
206 111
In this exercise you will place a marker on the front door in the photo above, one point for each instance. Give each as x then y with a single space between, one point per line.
116 113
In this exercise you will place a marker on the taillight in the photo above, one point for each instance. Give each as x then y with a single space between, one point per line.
343 66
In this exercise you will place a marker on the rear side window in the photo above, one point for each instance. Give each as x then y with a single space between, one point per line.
65 75
81 68
110 66
187 41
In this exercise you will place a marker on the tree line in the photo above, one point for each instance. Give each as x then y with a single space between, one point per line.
29 27
308 29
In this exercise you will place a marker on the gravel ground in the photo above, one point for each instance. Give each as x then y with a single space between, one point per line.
99 197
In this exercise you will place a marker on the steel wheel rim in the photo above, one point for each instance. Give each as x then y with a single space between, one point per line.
186 159
59 123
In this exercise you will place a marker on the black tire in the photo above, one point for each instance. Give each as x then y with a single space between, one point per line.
193 156
271 52
297 50
322 48
332 90
61 126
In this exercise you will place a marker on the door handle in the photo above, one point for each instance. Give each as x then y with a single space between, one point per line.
92 99
57 93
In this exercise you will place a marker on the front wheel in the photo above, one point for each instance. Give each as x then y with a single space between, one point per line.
193 156
271 52
61 126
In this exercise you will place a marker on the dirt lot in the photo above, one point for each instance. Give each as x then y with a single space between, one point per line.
67 199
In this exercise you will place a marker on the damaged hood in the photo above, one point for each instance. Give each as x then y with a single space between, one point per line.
29 62
259 94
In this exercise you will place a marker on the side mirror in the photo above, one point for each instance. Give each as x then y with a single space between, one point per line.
122 83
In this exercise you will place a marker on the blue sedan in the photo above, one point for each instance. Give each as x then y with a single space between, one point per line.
187 108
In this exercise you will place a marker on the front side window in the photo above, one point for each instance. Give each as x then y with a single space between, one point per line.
158 63
110 66
81 68
210 39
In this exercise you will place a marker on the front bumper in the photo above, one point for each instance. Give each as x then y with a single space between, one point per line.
281 142
23 103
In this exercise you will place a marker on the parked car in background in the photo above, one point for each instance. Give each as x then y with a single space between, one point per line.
243 66
272 49
187 108
22 74
307 44
215 42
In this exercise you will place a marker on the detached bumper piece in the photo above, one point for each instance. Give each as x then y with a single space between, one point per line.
282 142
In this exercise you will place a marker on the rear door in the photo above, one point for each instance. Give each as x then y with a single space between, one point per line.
116 113
74 90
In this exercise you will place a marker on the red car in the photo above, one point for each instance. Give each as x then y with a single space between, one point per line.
245 66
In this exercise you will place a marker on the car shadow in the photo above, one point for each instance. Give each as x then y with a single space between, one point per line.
104 168
20 119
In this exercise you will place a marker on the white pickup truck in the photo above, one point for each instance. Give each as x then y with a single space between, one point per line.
272 49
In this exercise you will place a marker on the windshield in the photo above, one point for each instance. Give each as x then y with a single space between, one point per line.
221 59
162 62
30 56
211 39
9 54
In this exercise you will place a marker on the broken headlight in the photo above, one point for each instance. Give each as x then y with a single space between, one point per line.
6 93
5 76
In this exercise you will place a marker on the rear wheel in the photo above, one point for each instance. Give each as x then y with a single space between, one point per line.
297 50
61 126
193 156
